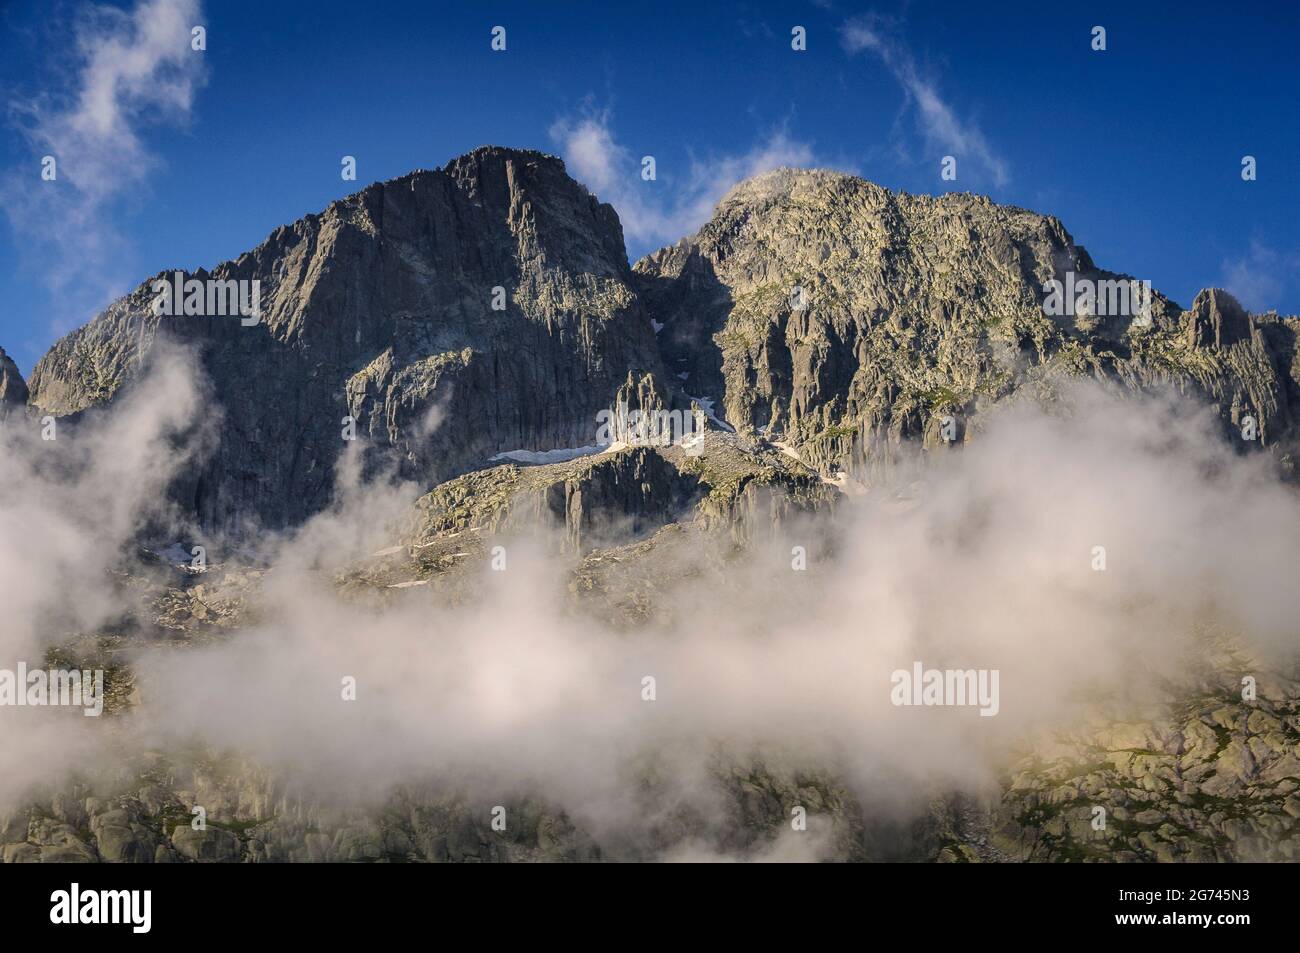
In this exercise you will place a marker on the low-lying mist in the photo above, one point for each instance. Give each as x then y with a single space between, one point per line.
1077 553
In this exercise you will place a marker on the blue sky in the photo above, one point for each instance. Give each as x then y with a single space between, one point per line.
173 158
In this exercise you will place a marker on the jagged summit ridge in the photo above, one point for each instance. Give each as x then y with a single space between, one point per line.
380 309
13 389
916 308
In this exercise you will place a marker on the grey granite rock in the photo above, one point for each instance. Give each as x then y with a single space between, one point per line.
381 309
846 317
13 389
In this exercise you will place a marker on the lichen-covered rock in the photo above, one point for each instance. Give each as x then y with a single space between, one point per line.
212 845
1220 787
845 317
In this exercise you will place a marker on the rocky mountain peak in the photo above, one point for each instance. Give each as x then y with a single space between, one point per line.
13 389
494 290
845 317
494 294
1218 319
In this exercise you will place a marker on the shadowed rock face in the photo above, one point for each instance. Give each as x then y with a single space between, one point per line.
13 389
380 308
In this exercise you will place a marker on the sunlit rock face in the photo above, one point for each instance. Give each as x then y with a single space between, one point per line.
845 317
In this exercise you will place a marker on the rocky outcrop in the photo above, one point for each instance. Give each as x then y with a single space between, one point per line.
1243 363
627 493
1216 782
592 501
13 389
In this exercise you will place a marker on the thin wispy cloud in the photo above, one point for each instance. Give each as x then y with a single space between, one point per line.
1259 277
682 198
127 69
938 120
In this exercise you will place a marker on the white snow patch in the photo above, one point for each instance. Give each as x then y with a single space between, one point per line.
838 479
177 555
706 405
559 455
656 325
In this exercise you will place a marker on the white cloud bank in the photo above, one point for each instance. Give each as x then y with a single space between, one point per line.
989 566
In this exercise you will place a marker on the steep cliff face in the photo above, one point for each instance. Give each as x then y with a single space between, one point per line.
13 389
815 308
845 317
381 309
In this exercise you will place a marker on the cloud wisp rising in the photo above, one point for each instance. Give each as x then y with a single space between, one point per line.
1261 276
942 128
128 70
660 212
986 565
